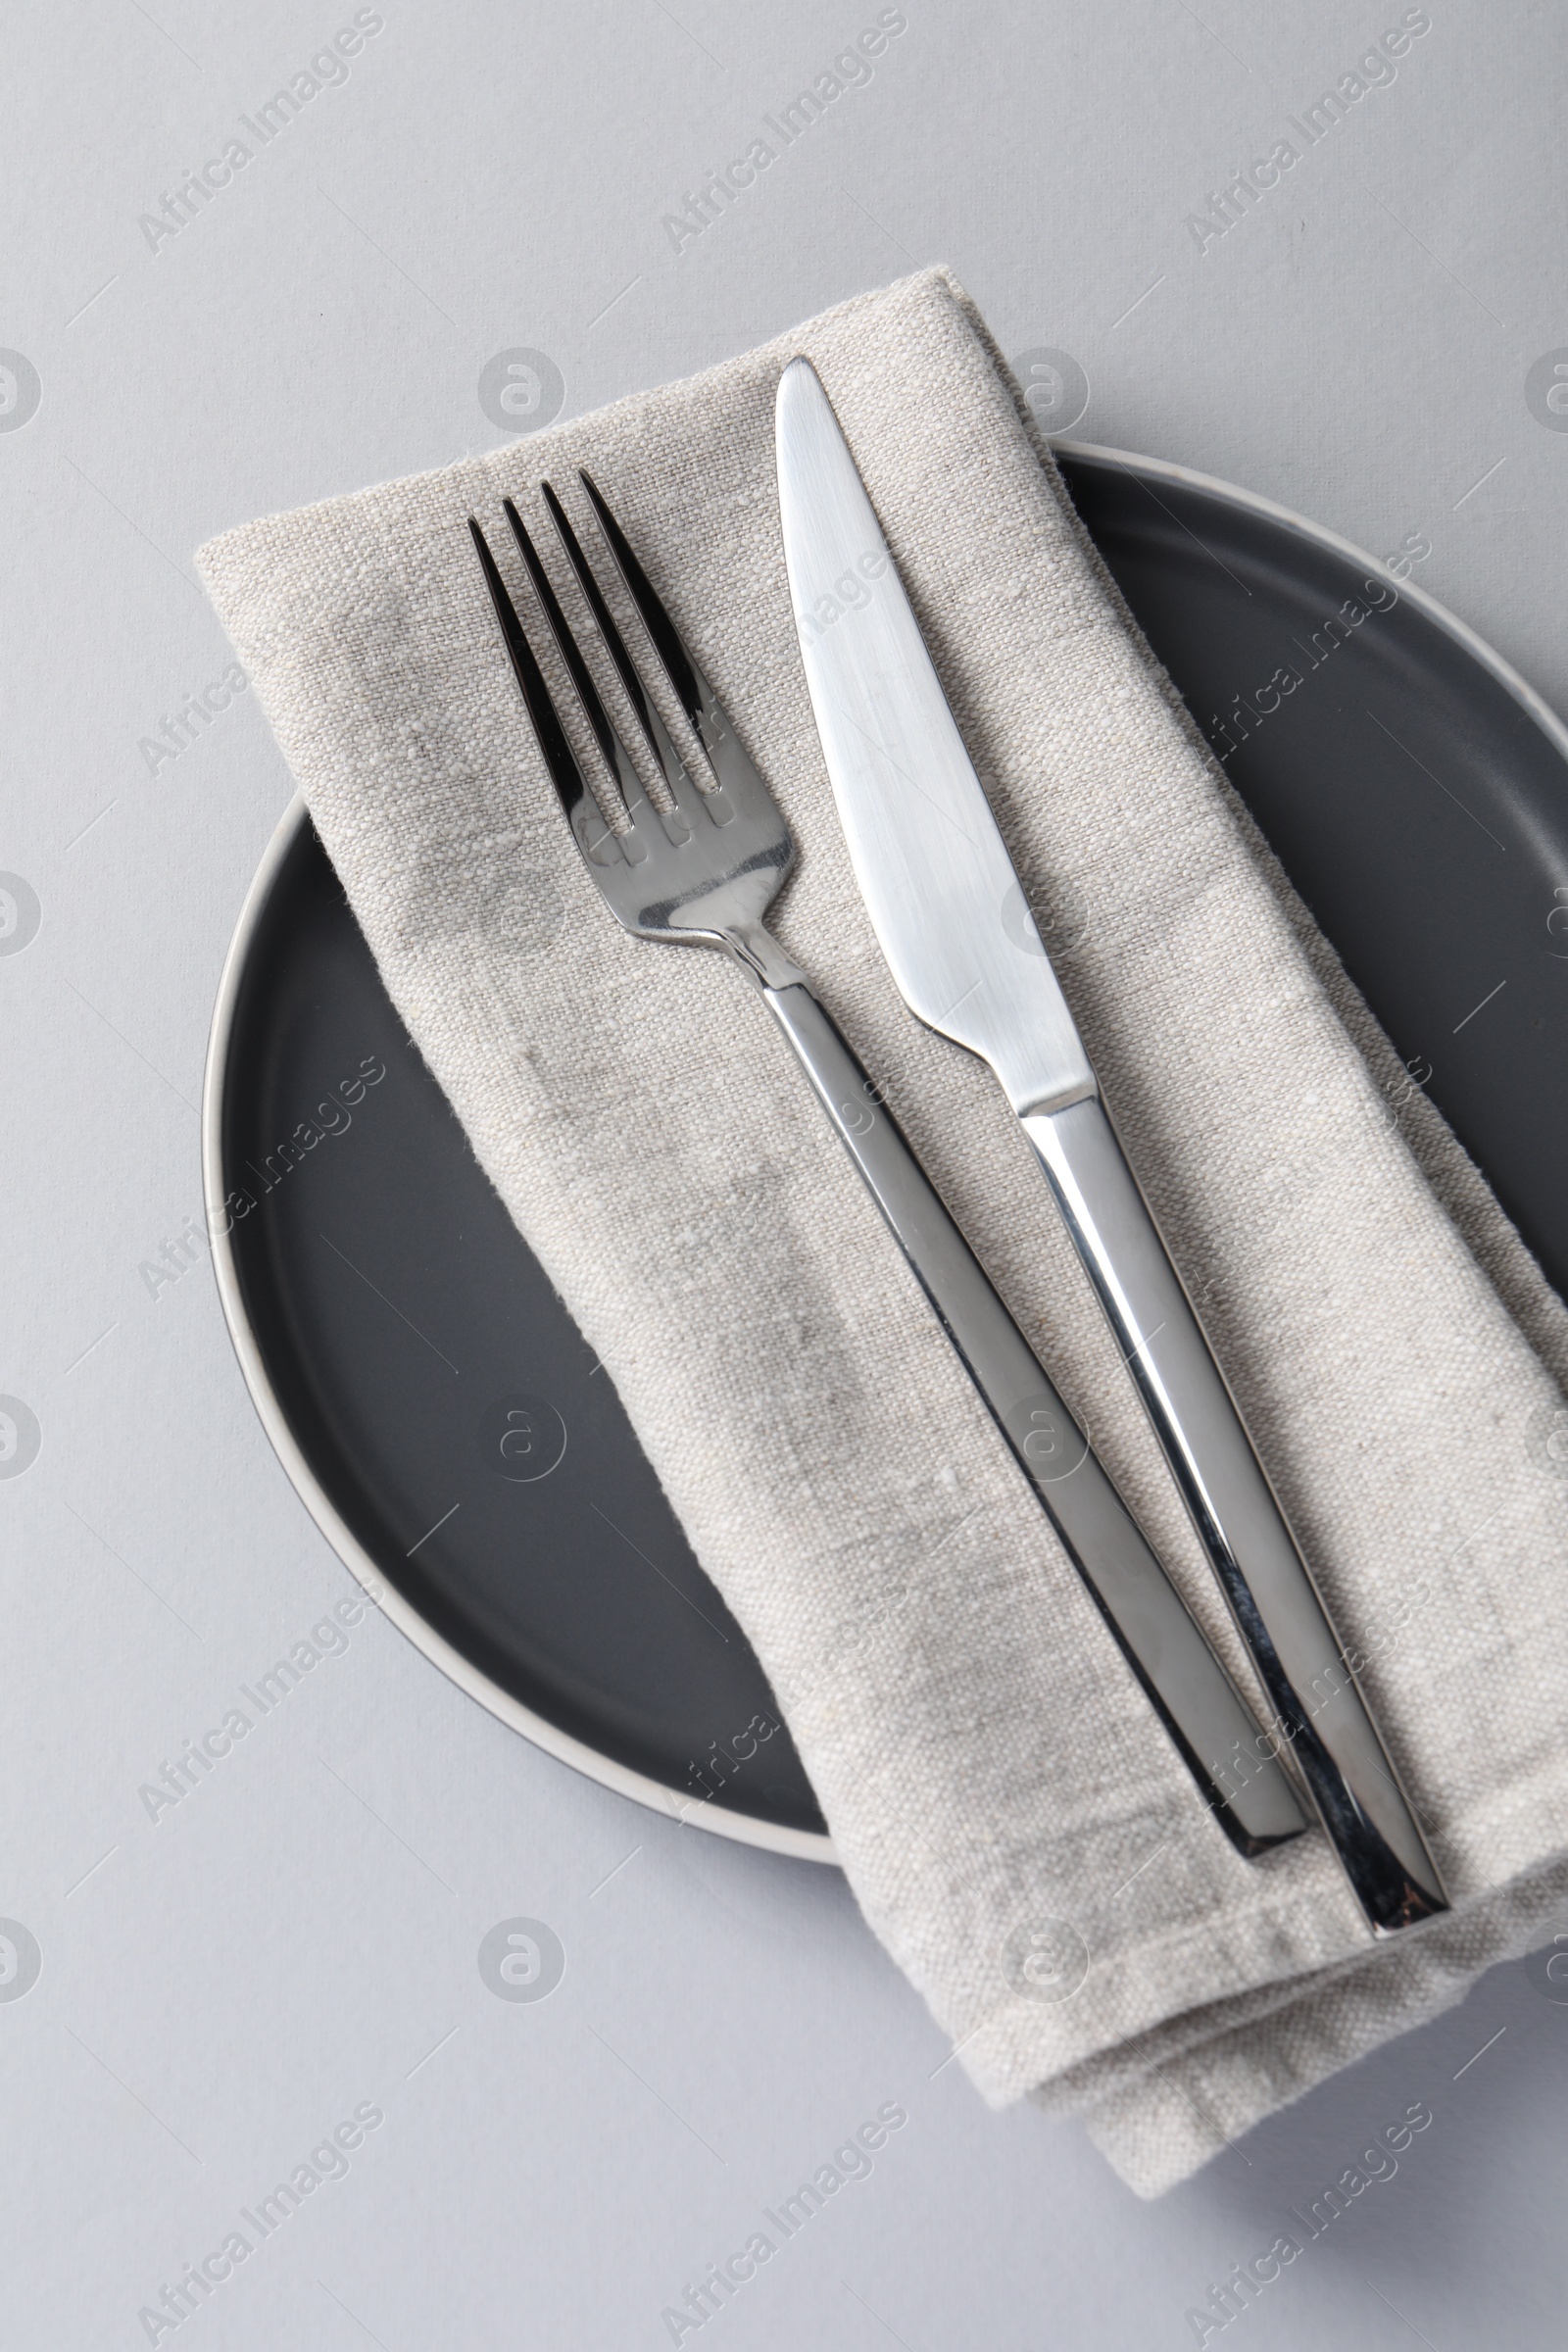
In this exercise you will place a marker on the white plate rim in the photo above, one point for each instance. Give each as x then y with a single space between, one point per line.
675 1805
1253 502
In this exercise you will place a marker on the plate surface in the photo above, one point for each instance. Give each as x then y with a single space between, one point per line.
432 1401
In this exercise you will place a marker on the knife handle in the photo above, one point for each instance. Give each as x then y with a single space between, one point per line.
1320 1713
1186 1684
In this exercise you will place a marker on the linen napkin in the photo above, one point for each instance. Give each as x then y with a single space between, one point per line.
1016 1827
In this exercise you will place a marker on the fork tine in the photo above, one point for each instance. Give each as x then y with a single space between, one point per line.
560 757
582 811
627 781
593 593
709 718
683 788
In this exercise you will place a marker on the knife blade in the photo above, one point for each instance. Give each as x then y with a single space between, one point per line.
949 910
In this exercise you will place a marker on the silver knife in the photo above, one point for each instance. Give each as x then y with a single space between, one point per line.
949 910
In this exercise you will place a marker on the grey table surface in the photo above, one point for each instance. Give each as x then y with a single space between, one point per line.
1372 342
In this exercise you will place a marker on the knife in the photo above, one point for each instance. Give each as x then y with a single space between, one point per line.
949 910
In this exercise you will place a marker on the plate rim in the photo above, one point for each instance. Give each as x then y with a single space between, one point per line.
1188 477
808 1845
674 1805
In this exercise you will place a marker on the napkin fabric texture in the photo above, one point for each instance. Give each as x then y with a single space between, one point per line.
993 1777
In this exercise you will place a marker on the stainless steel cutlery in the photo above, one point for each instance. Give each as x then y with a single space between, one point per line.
949 912
702 870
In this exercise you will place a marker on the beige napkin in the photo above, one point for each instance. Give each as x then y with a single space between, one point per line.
993 1780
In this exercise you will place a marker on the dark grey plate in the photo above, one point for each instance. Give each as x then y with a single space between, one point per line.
437 1409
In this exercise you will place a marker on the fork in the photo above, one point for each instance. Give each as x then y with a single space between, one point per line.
704 872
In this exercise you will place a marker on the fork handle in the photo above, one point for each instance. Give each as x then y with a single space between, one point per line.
1233 1762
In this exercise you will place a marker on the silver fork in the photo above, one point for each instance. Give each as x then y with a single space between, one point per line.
705 875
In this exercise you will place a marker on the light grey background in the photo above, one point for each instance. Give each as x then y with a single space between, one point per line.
301 1933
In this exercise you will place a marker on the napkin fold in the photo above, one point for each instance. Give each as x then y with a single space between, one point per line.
994 1782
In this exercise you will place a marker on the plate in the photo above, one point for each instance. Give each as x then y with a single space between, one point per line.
439 1413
